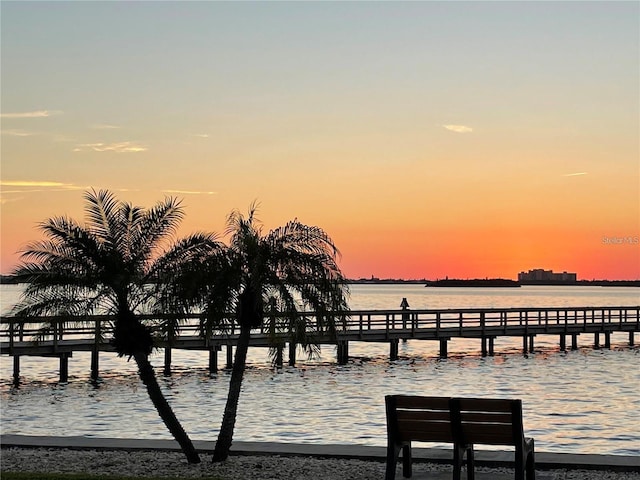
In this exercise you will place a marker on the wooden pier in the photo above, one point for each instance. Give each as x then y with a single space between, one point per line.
19 336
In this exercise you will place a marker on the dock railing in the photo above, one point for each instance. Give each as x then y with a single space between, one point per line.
452 322
61 336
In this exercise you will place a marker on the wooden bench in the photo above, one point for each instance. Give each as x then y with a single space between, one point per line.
491 421
465 422
421 419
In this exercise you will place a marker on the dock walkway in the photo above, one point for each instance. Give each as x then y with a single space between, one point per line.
63 336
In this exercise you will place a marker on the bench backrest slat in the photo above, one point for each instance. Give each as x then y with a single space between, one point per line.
421 403
487 433
488 420
486 417
425 415
425 431
423 419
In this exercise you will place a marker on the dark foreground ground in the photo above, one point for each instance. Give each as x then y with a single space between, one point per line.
276 461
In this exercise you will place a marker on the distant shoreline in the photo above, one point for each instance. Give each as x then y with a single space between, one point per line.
490 282
486 282
476 282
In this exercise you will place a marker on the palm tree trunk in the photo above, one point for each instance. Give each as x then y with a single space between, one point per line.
225 436
148 377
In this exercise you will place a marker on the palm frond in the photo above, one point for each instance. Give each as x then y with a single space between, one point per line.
56 301
129 219
68 247
186 255
184 273
158 224
241 228
101 210
303 238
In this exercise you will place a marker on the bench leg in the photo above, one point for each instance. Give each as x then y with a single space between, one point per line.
531 468
519 465
525 463
458 455
531 462
406 461
471 468
458 460
393 450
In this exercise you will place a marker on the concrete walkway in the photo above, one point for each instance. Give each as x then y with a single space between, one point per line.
544 461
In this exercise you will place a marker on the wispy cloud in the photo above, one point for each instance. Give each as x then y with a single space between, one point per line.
34 114
37 186
458 128
33 186
119 147
105 126
200 135
574 174
17 133
31 183
55 137
189 192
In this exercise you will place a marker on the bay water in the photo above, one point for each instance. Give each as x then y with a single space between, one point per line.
582 401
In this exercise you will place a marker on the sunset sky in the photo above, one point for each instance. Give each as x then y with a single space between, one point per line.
429 139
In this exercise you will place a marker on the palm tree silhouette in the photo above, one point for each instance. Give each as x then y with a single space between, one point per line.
113 264
294 266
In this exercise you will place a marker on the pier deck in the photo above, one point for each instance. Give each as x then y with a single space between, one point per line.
20 336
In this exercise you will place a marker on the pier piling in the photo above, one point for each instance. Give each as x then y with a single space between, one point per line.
64 367
167 361
16 370
343 352
95 363
292 354
443 347
213 359
393 349
229 356
487 346
528 344
631 339
95 352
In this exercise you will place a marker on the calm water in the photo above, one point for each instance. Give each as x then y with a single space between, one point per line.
585 401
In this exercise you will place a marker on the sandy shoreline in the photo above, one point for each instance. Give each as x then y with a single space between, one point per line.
248 467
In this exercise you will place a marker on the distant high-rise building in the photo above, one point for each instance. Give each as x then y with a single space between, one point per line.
540 276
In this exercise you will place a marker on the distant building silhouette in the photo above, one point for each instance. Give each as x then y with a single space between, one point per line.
546 277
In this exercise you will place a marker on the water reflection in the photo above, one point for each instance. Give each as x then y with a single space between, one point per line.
567 407
582 401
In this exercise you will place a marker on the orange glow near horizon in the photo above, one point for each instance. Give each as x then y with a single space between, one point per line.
462 253
390 237
433 256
